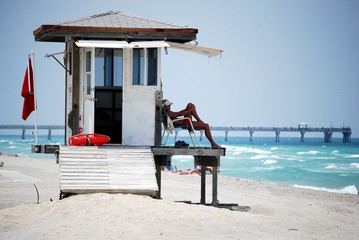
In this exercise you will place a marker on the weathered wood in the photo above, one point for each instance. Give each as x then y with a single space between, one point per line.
215 186
56 33
202 156
89 169
212 161
195 151
160 160
46 148
158 118
76 73
203 185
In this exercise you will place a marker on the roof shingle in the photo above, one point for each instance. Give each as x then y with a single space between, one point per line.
118 20
115 25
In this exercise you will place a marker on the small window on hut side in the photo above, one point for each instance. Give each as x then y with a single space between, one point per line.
145 66
152 66
138 66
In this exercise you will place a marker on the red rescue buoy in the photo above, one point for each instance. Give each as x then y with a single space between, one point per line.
88 139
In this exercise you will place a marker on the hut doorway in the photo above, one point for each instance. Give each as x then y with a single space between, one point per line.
102 92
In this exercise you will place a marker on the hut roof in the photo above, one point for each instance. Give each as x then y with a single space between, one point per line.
115 26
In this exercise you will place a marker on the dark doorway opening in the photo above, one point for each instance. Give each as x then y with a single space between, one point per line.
108 112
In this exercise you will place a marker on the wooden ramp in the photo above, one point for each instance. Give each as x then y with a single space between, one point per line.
112 169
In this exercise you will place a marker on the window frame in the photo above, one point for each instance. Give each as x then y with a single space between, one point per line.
145 68
110 69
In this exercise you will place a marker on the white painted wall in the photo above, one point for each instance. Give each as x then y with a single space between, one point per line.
138 116
138 121
138 106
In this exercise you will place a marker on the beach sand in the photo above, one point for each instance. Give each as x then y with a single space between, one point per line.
276 211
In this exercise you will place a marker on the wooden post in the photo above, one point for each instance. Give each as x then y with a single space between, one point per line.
160 160
203 184
158 118
75 89
158 176
214 186
212 161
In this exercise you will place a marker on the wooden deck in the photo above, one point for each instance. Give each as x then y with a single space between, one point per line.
202 156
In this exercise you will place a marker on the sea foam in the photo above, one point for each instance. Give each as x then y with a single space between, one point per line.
311 152
266 162
351 189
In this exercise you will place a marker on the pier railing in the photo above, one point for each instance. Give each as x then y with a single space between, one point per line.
328 132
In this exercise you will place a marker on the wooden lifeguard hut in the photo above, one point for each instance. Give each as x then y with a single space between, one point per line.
113 87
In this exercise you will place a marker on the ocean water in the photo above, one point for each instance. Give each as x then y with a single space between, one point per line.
311 164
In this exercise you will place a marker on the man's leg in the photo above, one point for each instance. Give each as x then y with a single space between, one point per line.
207 131
192 107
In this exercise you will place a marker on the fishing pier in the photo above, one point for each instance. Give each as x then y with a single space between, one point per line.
49 128
302 130
328 132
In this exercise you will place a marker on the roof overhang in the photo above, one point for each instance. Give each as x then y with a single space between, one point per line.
58 33
206 51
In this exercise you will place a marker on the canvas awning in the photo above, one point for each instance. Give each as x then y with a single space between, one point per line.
103 44
206 51
209 52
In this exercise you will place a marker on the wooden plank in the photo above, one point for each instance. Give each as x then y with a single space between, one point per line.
107 169
196 151
212 161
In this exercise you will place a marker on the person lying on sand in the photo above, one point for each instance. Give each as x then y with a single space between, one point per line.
189 171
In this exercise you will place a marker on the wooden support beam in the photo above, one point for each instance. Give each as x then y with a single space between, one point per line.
202 156
203 185
158 118
75 113
161 160
211 161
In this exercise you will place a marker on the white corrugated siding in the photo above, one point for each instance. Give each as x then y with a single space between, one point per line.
87 169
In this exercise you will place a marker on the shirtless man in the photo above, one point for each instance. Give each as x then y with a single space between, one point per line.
190 112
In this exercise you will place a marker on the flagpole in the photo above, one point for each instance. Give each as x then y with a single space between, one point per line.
35 97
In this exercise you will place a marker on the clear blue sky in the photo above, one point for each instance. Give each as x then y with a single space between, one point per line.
285 61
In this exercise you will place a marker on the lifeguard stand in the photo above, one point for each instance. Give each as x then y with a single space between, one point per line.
113 77
113 87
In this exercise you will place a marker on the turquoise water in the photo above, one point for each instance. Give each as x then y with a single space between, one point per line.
311 164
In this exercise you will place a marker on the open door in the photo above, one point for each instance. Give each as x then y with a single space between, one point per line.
108 92
88 92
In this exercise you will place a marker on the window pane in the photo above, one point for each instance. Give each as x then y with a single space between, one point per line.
137 67
118 67
99 67
88 61
152 66
108 67
88 82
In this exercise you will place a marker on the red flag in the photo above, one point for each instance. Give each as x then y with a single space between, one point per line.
28 92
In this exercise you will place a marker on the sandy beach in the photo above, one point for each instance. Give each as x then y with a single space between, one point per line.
276 211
